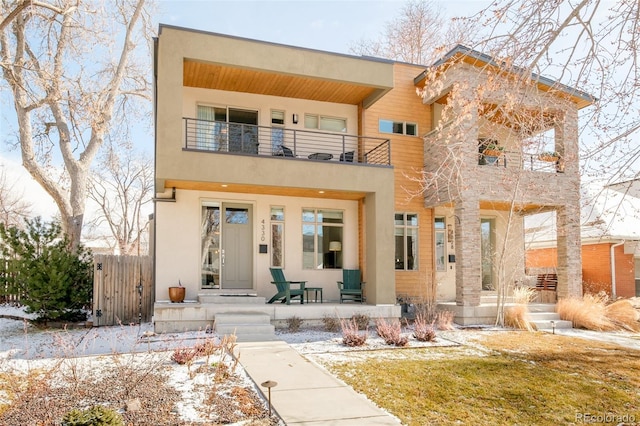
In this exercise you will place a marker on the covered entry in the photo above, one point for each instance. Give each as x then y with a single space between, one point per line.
226 241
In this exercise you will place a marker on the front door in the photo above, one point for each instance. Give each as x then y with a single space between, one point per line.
237 240
227 238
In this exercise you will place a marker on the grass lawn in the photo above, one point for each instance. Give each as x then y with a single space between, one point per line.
522 378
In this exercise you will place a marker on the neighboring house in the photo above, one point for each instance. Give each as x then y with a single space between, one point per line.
277 156
610 241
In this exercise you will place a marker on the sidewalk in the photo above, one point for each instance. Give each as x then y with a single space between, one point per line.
306 394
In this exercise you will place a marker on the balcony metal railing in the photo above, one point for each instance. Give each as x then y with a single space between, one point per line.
248 139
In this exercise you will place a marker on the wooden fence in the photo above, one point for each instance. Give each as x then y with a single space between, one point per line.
122 289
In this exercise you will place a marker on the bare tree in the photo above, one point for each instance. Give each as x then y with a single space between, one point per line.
70 68
13 207
122 186
415 36
589 44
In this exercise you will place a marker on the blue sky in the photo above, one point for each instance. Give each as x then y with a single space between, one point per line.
330 25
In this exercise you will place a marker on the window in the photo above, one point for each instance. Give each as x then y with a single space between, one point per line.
398 127
322 239
406 238
210 245
440 244
330 124
277 131
277 237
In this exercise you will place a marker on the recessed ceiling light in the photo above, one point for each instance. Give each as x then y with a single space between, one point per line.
224 186
320 192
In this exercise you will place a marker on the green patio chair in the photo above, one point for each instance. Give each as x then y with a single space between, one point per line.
285 292
351 287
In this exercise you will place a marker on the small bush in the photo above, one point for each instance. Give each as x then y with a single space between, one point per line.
391 332
184 355
94 416
426 308
516 317
588 312
350 333
361 320
294 323
624 315
444 320
331 323
423 329
206 348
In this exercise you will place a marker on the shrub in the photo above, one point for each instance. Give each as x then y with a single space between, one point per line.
350 333
624 315
424 330
184 355
331 323
361 320
517 317
444 320
391 332
94 416
55 279
294 323
426 308
587 312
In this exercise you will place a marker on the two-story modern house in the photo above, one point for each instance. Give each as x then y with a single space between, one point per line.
273 156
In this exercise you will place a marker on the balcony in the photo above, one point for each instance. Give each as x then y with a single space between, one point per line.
307 145
522 161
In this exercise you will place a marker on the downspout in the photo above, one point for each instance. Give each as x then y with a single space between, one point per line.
613 269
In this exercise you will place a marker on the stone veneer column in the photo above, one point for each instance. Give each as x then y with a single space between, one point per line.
568 215
569 252
468 258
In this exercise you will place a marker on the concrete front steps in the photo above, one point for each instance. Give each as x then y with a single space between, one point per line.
247 326
540 314
548 320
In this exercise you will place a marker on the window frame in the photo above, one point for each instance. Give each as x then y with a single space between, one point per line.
394 124
277 253
318 122
409 263
440 234
320 256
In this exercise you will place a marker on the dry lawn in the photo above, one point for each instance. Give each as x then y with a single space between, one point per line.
523 378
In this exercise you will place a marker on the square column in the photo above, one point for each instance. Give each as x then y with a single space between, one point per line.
569 251
468 253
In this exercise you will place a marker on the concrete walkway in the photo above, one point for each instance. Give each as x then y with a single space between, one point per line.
306 394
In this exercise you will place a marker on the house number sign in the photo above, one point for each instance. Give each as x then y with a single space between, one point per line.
263 237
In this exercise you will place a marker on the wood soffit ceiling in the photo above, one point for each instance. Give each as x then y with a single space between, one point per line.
212 76
265 190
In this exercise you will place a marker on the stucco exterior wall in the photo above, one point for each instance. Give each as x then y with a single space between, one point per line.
178 227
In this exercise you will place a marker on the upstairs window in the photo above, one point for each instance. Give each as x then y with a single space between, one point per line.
398 127
329 124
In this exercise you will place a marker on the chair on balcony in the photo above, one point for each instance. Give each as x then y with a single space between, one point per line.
351 287
347 156
285 292
284 152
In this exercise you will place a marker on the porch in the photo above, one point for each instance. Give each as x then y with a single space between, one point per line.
202 314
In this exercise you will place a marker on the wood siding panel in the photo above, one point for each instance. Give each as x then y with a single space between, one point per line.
407 154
